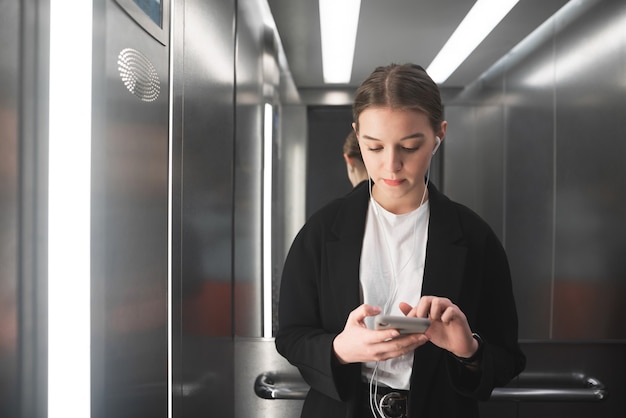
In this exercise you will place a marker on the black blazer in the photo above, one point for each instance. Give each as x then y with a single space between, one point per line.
465 262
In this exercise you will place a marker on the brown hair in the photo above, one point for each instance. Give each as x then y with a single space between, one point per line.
351 146
400 86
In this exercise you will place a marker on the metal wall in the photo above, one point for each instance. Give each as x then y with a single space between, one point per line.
129 226
225 63
203 52
9 221
24 48
543 135
536 146
262 78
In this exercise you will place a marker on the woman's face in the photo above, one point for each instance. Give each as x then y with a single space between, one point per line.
397 147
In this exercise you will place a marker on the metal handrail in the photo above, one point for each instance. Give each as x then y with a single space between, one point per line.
552 387
280 386
531 387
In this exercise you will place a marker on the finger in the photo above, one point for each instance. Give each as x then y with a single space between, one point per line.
405 308
449 314
364 311
453 313
387 335
435 309
400 346
438 307
423 306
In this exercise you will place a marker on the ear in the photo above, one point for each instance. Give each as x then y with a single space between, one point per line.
442 132
348 160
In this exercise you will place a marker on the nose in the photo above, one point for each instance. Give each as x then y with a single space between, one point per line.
393 160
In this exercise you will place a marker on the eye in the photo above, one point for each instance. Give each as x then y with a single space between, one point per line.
376 149
410 149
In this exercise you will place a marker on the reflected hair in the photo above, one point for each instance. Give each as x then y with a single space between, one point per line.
351 146
400 86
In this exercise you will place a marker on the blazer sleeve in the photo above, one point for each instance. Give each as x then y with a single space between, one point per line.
493 317
302 337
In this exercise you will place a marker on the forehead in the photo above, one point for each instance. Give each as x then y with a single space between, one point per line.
380 121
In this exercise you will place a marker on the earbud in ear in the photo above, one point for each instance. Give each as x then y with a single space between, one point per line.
437 146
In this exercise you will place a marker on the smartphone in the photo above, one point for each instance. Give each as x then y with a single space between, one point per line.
403 324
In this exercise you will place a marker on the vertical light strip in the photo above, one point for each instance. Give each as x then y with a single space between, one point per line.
69 217
268 131
339 21
473 29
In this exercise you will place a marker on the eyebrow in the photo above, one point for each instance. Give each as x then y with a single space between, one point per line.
417 135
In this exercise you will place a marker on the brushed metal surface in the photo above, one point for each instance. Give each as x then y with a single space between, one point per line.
129 227
563 171
248 160
590 229
203 188
256 356
473 165
9 121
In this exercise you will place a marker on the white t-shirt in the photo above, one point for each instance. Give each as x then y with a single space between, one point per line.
392 271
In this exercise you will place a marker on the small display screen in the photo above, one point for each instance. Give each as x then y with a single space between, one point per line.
153 9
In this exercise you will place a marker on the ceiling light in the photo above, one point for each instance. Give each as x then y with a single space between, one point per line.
479 22
338 24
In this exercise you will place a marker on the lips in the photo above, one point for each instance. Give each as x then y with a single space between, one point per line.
393 183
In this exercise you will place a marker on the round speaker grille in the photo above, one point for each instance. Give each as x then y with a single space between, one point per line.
138 74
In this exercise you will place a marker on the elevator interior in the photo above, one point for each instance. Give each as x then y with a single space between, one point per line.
184 202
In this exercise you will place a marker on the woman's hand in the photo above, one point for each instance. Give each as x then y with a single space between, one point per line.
448 329
356 343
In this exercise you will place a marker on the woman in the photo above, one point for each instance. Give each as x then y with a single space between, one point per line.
395 245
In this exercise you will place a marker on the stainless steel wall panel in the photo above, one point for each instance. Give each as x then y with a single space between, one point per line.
248 263
9 221
24 68
562 169
129 225
203 146
563 99
472 160
529 216
491 177
530 192
591 176
254 357
208 135
258 83
292 168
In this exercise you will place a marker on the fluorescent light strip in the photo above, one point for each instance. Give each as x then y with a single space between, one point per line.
339 20
69 211
479 22
268 132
